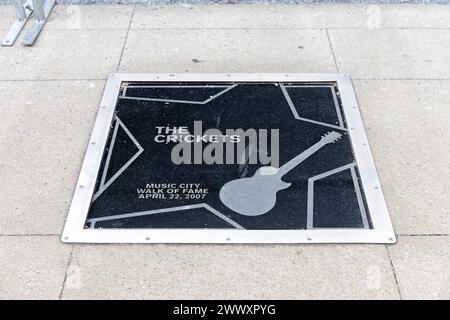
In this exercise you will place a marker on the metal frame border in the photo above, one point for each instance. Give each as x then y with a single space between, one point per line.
382 231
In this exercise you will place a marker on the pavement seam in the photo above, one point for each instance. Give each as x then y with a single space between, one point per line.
126 37
104 79
424 235
401 79
65 275
50 79
332 51
274 28
57 235
237 28
394 272
30 235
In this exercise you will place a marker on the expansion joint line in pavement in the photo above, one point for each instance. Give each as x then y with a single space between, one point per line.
126 37
393 272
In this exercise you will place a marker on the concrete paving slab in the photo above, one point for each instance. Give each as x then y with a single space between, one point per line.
32 267
7 18
292 16
409 139
422 266
92 17
233 272
45 130
75 54
395 53
227 51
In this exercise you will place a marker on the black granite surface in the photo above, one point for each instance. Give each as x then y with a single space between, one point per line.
248 105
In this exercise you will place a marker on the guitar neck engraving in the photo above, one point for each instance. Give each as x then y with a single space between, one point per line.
291 164
256 195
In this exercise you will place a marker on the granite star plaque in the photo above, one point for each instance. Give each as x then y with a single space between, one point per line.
238 158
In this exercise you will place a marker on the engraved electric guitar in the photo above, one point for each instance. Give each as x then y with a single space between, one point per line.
257 195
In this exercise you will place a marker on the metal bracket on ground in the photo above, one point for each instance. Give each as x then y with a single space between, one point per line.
24 9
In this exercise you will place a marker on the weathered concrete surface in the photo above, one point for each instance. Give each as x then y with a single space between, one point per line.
209 2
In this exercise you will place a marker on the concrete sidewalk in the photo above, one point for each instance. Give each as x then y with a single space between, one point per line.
399 59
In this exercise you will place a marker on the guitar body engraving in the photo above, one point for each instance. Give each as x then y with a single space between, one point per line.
257 195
